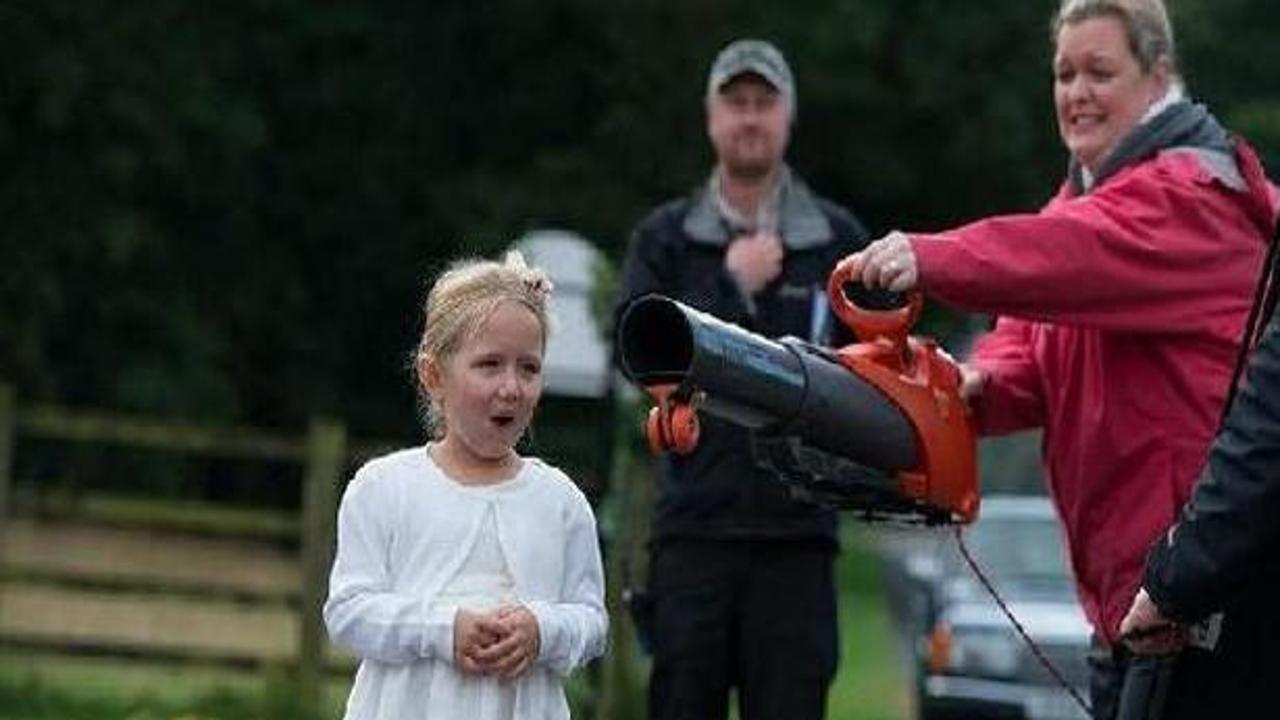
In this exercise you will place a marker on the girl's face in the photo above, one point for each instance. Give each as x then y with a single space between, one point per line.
1100 90
489 387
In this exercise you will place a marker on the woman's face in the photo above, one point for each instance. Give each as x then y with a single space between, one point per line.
1100 90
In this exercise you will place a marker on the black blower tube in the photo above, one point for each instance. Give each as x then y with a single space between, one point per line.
783 387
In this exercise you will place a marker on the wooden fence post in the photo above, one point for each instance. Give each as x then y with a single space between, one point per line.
8 422
326 456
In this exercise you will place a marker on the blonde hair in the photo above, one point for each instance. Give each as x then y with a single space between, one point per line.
461 301
1146 23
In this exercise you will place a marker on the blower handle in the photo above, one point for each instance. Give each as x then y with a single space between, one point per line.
870 325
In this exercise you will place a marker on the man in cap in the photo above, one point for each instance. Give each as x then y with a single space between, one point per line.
740 591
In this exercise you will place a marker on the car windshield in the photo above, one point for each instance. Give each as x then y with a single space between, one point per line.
1025 550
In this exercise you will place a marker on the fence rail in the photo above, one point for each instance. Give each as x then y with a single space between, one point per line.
323 450
59 423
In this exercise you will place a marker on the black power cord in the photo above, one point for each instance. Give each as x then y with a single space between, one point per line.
1026 638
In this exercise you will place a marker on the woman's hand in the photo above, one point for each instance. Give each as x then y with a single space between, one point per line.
1147 632
973 380
888 263
473 634
518 646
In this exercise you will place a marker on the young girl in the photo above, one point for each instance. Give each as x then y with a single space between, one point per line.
468 578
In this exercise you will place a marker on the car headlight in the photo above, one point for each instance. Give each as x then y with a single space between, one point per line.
988 652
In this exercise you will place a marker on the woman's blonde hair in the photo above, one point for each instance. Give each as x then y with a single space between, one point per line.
1146 23
458 305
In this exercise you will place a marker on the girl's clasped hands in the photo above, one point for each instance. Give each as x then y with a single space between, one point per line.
503 642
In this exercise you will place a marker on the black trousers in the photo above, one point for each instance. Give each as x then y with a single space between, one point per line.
758 616
1191 684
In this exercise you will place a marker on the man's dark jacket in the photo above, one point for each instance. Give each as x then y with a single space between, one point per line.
1223 555
678 250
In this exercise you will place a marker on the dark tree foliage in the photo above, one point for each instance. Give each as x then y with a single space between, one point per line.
1230 53
229 211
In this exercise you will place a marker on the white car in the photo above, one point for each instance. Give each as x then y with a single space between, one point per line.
972 661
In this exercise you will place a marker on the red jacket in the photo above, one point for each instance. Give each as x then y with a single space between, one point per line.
1121 314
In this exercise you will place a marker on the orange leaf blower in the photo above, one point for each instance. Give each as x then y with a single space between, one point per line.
877 427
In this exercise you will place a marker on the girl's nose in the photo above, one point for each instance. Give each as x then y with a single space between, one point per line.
509 386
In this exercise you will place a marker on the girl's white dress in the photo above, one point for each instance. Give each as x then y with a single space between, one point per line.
482 583
414 546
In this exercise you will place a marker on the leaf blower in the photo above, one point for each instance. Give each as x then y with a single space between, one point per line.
877 427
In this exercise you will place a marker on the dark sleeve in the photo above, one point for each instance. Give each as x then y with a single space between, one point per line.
850 234
1229 530
657 262
648 264
850 237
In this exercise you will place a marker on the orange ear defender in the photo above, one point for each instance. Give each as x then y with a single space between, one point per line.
671 426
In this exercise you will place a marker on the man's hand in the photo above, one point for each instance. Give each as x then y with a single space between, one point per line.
518 647
473 633
888 263
1147 632
754 260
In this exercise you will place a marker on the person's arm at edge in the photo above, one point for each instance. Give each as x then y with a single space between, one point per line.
1227 530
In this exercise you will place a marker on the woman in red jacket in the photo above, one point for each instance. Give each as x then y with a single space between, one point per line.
1120 304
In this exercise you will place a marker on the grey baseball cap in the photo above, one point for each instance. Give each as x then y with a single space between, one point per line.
756 57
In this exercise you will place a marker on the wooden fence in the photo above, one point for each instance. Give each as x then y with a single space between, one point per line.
323 452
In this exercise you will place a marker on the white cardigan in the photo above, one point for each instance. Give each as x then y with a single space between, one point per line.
404 529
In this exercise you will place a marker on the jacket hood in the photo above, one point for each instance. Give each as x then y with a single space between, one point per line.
1181 125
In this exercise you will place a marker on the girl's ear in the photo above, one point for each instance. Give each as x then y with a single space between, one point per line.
429 374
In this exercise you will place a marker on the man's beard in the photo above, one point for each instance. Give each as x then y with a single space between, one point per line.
749 171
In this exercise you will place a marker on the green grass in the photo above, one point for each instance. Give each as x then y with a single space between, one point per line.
45 687
870 684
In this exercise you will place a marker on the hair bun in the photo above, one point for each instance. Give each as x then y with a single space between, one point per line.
539 284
